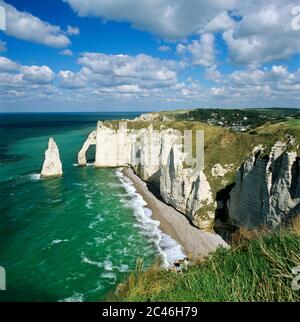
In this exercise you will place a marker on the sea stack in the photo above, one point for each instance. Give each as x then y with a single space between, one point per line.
52 166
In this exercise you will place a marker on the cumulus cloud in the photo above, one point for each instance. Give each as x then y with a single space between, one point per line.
71 80
37 74
165 18
264 33
21 83
7 65
66 52
25 26
271 85
164 48
72 30
200 52
255 32
219 23
129 69
121 76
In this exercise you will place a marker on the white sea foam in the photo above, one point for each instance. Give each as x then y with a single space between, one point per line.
167 247
123 268
88 164
58 241
89 204
92 262
34 176
76 297
108 266
95 222
80 184
109 275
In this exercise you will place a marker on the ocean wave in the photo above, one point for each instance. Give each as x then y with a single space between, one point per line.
168 248
92 262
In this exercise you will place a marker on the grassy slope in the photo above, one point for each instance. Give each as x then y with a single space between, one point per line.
257 270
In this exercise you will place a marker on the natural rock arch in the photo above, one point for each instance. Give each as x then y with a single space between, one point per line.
91 140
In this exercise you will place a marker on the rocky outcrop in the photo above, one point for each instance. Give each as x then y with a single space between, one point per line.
52 166
157 157
185 189
267 189
91 140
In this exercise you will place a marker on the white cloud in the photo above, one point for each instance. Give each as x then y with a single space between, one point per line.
200 52
37 74
25 26
22 84
71 80
164 48
165 18
125 68
121 77
7 65
219 23
72 30
3 46
271 86
66 52
264 34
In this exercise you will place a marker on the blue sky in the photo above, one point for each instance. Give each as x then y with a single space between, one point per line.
101 55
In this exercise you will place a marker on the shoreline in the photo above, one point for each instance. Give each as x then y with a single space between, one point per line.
195 242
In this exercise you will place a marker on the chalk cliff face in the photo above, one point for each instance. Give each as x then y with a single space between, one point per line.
52 166
267 189
185 189
157 157
91 140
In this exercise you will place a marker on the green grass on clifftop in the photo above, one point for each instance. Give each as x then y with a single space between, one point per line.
257 270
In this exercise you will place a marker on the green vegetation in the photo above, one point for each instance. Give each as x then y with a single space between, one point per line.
256 270
238 119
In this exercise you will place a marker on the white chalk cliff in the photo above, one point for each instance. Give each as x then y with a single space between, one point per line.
156 157
91 140
267 189
185 189
52 166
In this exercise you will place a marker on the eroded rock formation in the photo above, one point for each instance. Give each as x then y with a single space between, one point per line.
52 166
91 140
185 189
267 189
157 157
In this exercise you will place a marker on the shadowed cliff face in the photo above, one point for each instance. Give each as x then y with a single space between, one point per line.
267 189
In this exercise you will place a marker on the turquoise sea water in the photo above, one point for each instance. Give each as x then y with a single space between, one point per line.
72 238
